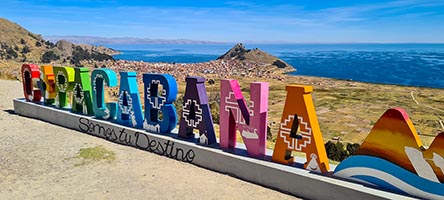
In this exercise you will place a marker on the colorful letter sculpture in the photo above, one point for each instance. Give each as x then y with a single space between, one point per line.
99 78
160 113
81 98
129 112
47 84
64 77
30 75
236 115
392 157
196 112
299 113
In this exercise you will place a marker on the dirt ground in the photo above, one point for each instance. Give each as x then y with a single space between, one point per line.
41 161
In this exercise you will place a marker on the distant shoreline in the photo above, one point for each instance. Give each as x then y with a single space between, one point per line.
277 76
92 40
398 64
291 73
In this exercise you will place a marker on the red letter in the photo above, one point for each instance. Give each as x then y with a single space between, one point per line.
30 75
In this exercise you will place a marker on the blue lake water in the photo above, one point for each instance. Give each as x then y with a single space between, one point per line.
401 64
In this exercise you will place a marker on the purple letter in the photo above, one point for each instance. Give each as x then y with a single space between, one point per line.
196 112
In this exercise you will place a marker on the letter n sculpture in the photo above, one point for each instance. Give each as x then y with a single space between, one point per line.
196 112
31 74
299 131
251 121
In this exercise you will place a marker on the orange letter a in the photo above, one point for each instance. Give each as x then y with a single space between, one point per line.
303 134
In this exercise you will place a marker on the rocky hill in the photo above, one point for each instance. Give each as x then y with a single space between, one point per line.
20 45
239 52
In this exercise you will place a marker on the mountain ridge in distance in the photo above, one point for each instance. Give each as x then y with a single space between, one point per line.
94 40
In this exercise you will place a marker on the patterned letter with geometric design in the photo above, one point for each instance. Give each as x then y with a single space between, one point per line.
196 112
303 134
160 93
129 112
30 75
47 84
100 78
81 97
236 115
64 77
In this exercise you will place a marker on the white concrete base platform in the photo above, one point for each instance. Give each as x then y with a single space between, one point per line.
288 179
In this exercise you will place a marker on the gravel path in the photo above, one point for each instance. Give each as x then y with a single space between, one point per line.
38 161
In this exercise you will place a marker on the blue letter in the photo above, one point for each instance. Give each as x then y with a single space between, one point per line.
160 102
99 78
130 109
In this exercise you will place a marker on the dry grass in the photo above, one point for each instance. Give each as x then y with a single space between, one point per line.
94 154
10 70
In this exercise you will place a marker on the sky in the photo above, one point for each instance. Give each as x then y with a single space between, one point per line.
294 21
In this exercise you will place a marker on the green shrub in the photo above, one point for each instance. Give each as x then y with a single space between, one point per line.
11 53
25 50
351 148
48 56
337 152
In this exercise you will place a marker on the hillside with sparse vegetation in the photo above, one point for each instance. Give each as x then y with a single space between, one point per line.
18 45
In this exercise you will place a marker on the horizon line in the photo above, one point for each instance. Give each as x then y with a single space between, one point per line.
242 42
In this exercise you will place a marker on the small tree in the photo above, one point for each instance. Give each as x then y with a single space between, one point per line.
214 107
75 60
11 53
49 44
269 133
25 50
351 148
48 56
335 151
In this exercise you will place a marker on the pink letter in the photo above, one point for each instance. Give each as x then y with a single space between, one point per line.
236 115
